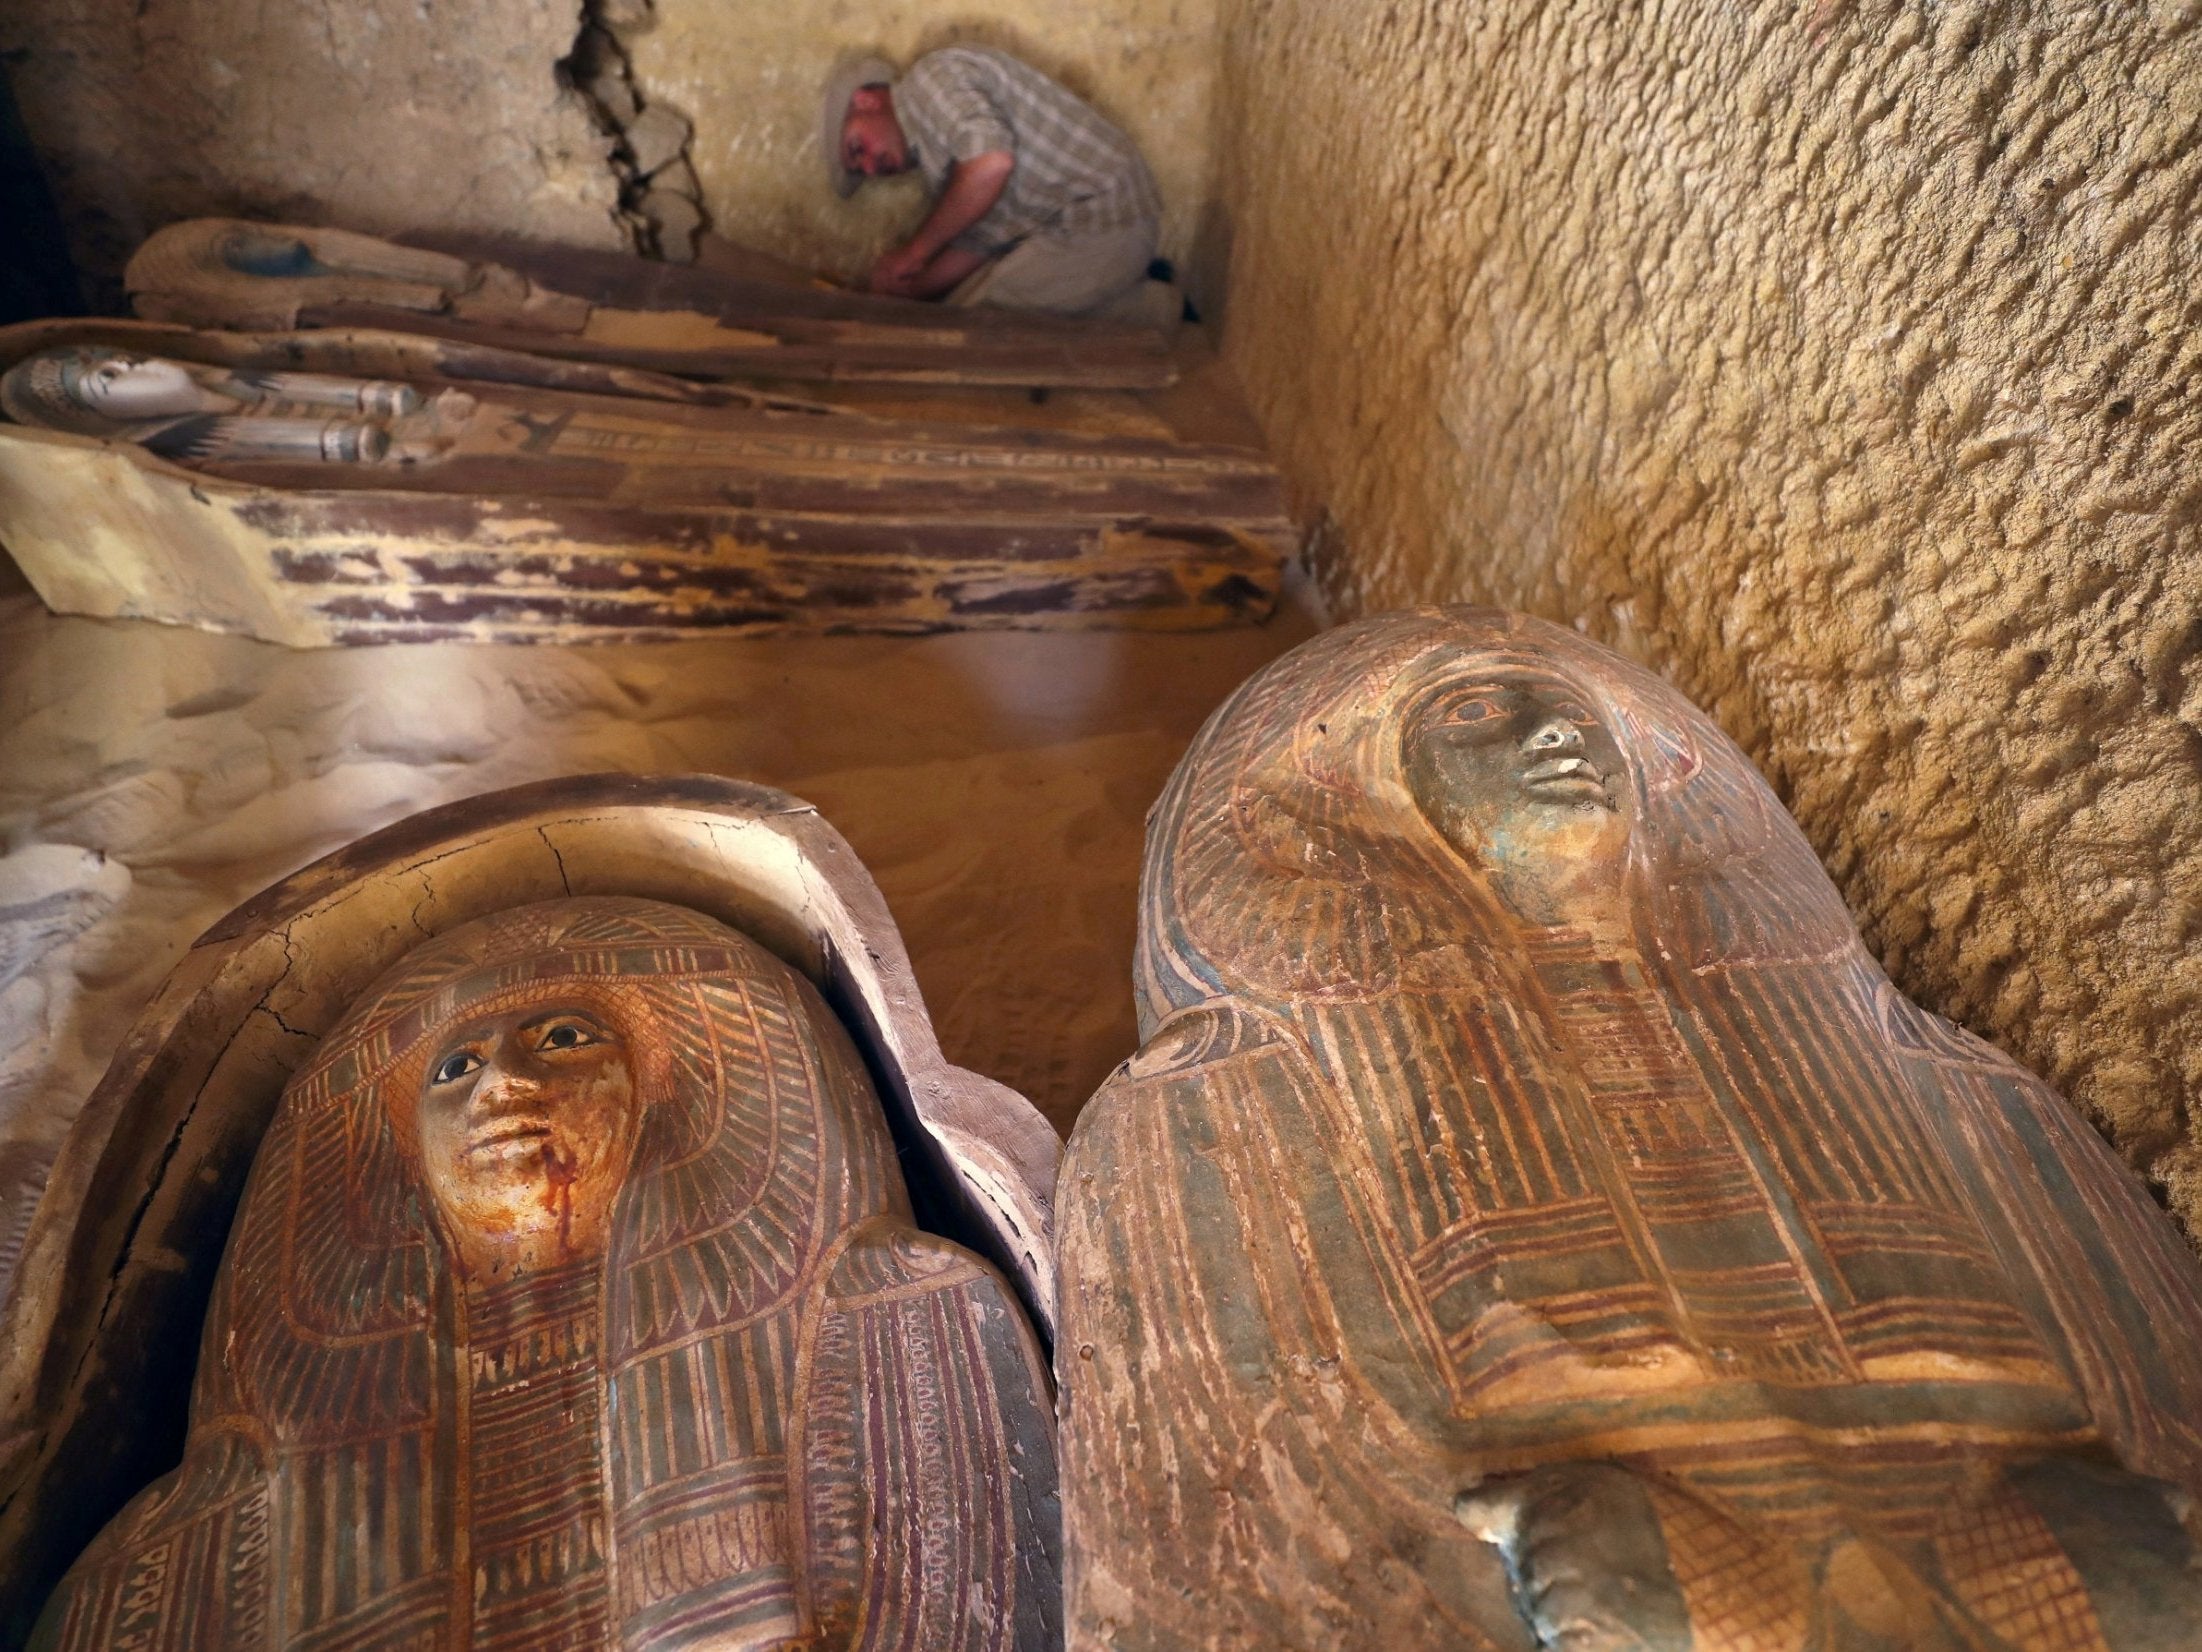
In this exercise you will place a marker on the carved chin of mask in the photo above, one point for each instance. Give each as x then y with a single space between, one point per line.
526 1120
1518 775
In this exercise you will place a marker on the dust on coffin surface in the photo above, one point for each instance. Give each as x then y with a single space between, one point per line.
230 273
577 1257
1526 1153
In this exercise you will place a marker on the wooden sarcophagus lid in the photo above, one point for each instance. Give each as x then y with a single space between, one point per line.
578 304
356 486
1534 1220
566 1231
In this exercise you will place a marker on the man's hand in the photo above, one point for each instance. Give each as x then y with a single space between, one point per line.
940 274
926 265
900 271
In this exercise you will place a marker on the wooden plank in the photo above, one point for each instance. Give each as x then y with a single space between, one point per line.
877 468
622 281
532 577
376 353
856 352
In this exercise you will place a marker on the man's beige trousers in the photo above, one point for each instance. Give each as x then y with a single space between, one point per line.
1097 273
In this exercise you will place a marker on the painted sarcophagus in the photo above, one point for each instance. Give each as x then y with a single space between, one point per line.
352 486
574 1296
1535 1221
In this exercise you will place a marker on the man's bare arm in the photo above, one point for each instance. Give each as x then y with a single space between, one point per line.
973 188
945 273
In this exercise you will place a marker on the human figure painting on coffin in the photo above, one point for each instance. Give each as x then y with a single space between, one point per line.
574 1302
1534 1220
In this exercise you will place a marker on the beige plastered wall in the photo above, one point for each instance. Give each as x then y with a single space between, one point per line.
749 76
379 115
1844 361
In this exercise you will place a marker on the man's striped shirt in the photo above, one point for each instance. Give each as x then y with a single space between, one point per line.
1075 170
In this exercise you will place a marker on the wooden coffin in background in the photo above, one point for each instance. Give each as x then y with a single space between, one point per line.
610 307
596 502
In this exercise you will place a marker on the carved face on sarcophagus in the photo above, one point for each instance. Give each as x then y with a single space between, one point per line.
192 413
1534 1215
575 1302
1525 783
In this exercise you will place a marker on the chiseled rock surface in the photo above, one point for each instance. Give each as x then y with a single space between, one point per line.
1844 361
379 115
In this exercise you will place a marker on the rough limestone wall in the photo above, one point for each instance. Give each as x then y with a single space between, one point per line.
749 78
1844 361
377 115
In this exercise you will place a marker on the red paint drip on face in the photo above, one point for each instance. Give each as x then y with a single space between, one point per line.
559 1175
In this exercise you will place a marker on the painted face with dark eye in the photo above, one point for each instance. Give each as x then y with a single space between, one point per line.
525 1123
136 387
1521 777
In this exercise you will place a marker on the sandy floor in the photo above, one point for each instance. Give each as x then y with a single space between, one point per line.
152 778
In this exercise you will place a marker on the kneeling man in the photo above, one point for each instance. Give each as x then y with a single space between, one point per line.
1041 203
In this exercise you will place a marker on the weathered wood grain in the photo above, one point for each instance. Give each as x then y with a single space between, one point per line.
796 347
380 353
1533 1218
620 281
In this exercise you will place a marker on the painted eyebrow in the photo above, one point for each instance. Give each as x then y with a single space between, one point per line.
473 1038
550 1016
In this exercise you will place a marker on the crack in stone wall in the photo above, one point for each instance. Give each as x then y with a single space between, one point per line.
660 198
377 115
